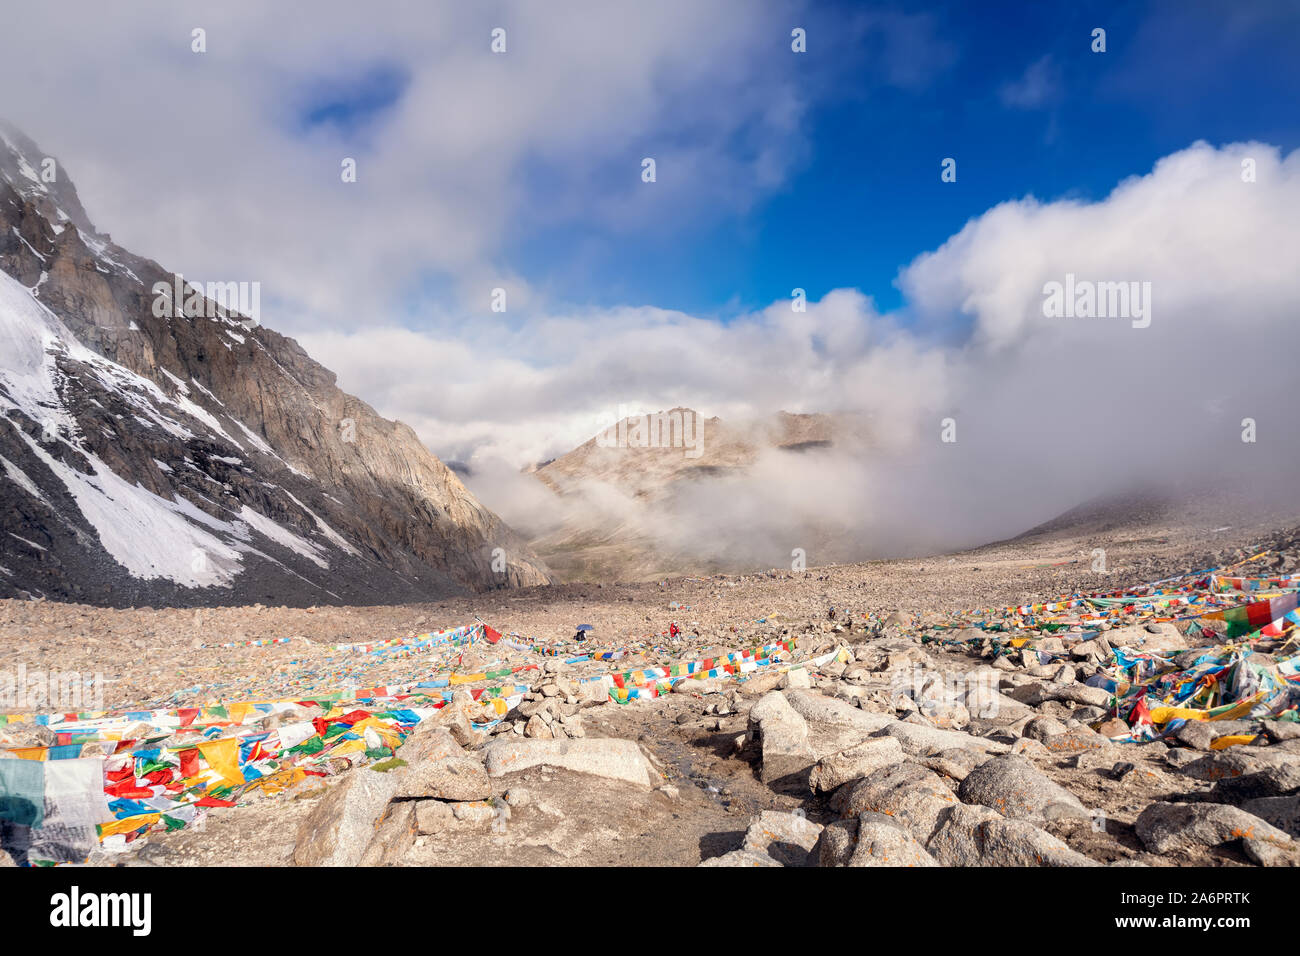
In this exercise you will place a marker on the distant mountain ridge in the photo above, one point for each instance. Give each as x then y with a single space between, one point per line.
167 459
614 456
619 496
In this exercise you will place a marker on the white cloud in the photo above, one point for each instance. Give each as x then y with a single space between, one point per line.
203 162
1039 86
1220 253
199 161
1049 412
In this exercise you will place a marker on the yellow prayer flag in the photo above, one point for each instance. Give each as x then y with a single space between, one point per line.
129 824
223 757
1162 715
348 747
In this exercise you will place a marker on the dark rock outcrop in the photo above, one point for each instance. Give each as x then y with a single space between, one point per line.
156 457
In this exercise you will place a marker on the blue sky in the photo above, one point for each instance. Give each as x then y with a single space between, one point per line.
776 170
818 170
866 196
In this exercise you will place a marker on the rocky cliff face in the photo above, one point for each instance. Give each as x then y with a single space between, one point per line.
148 456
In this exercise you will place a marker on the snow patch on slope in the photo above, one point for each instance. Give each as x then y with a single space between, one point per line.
338 539
283 536
150 536
146 534
19 477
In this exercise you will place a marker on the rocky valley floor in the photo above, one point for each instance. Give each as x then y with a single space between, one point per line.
871 729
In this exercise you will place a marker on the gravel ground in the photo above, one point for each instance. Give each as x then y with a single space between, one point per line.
156 655
709 788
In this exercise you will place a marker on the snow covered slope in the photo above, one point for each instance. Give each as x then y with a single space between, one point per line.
177 460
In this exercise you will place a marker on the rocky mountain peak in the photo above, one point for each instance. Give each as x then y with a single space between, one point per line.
38 178
156 456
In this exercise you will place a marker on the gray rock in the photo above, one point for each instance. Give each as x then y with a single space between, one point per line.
1054 708
452 778
883 844
1097 648
1031 693
429 741
912 795
1169 827
1280 730
1234 762
394 835
834 724
741 858
787 753
1179 758
476 813
980 836
1281 767
920 740
1224 728
1104 758
703 687
1040 728
987 705
1087 714
1020 843
1269 782
611 758
1077 740
340 827
592 693
1082 694
949 714
956 762
538 728
1268 853
433 816
836 844
454 717
788 838
1197 734
1164 637
1281 812
1029 748
867 757
796 677
1064 674
1016 789
959 840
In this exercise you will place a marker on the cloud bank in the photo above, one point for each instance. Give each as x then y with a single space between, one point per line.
229 162
1047 412
227 165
